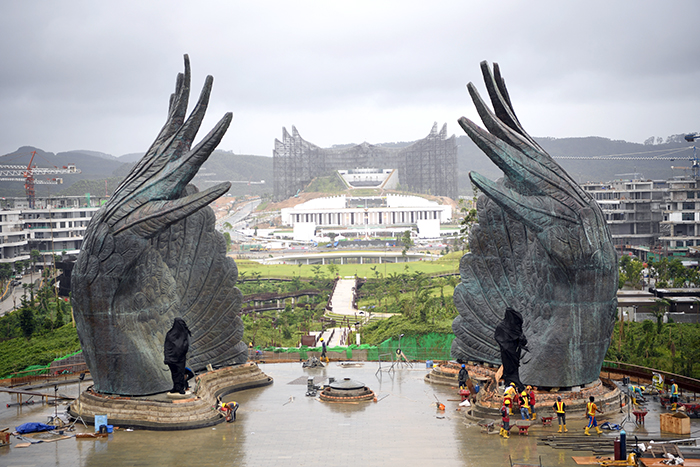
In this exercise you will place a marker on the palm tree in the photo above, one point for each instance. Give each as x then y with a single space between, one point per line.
34 256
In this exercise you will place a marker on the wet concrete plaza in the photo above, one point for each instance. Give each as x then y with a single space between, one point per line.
279 426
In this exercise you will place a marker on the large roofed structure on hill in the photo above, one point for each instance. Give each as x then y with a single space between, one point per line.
426 166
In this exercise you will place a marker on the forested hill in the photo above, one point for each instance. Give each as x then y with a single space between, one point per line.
96 168
92 165
247 171
470 158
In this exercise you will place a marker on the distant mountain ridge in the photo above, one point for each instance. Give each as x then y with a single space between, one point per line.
471 158
97 167
93 165
131 157
246 171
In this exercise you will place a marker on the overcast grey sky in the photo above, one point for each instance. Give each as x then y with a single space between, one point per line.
98 75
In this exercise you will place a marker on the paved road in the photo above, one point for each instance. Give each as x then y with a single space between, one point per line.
237 219
13 300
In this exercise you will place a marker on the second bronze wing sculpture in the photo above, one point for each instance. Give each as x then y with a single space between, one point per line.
542 247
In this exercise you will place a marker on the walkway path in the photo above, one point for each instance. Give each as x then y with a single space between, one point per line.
342 303
341 300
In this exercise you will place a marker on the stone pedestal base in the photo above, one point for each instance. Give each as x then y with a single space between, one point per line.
489 399
160 412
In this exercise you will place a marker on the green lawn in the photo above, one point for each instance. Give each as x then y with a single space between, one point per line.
445 265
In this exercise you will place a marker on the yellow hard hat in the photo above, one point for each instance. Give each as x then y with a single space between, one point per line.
507 401
643 388
322 339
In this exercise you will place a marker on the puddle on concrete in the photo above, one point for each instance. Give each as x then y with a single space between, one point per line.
279 426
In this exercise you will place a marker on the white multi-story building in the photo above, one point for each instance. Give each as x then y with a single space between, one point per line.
14 245
56 225
632 208
652 217
682 215
53 231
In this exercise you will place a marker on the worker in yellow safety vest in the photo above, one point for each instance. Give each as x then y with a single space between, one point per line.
525 405
510 394
674 395
560 408
591 409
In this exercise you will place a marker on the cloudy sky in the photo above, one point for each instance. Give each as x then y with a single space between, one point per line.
97 75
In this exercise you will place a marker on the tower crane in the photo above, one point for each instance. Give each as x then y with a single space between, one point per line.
696 163
669 155
20 173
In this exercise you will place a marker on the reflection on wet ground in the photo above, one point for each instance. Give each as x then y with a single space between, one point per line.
278 426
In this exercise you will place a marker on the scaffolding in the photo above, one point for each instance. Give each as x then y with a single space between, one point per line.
427 166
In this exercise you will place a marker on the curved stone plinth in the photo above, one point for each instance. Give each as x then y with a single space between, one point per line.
159 412
489 403
607 398
446 374
347 390
365 394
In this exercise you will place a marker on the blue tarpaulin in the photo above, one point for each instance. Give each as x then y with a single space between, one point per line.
33 427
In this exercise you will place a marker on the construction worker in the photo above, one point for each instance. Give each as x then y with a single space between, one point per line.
525 405
591 409
674 395
657 382
560 409
531 400
505 418
636 391
510 394
229 410
323 350
462 377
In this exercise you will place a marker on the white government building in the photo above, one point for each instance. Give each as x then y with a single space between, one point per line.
360 216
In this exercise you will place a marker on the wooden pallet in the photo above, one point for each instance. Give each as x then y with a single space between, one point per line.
658 450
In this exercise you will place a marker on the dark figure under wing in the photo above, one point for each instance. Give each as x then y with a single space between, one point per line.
512 341
177 343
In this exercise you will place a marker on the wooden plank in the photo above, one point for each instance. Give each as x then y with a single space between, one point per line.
35 393
591 460
656 462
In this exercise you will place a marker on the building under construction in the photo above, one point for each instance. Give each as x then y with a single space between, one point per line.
426 166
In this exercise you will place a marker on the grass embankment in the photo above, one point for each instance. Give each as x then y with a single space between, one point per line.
19 353
379 331
673 347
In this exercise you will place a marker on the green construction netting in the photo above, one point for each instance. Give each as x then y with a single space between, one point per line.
426 347
31 370
34 370
68 356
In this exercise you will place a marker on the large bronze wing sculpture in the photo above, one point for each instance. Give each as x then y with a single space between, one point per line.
542 247
150 255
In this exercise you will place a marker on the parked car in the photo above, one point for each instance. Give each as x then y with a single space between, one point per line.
15 283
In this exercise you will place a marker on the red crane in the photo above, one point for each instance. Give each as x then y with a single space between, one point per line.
20 173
